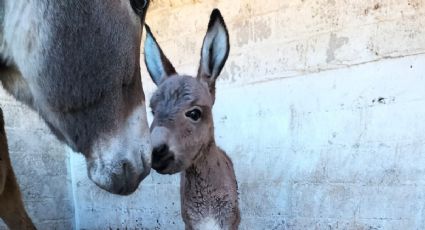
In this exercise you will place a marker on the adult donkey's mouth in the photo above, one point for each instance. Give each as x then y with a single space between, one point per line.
119 163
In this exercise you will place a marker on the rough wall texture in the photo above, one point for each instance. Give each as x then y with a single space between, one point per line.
320 106
41 166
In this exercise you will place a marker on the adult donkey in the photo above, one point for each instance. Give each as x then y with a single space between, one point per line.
76 63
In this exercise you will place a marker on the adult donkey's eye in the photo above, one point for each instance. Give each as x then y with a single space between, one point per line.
194 114
139 6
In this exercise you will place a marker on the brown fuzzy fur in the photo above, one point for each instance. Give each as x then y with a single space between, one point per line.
12 209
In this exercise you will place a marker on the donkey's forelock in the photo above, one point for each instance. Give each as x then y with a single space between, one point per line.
181 90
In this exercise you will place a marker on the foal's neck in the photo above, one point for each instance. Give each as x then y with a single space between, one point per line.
209 190
208 158
212 170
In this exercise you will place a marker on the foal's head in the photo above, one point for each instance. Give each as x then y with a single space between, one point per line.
182 104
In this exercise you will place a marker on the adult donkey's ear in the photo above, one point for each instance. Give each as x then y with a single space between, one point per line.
215 50
158 65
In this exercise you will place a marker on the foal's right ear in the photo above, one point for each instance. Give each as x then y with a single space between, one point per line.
215 50
158 65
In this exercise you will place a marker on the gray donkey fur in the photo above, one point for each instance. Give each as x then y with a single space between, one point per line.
76 63
182 132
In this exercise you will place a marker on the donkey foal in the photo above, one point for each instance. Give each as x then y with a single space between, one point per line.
182 132
12 209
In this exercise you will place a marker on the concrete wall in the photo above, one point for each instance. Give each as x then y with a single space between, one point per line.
320 106
41 166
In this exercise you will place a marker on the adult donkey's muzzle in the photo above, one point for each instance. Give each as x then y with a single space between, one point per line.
123 179
121 161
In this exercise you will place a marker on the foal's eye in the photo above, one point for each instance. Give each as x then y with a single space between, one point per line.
194 114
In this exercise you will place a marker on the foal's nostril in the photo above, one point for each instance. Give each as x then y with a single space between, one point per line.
160 151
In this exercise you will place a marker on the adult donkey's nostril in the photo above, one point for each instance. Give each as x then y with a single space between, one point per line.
126 170
127 181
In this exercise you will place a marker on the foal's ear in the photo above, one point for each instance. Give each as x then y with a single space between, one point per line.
215 50
158 65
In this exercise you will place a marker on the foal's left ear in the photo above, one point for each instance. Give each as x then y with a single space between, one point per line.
158 65
215 50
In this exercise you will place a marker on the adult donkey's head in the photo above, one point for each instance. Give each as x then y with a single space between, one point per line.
76 62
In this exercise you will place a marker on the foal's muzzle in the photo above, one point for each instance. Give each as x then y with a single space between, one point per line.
162 157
